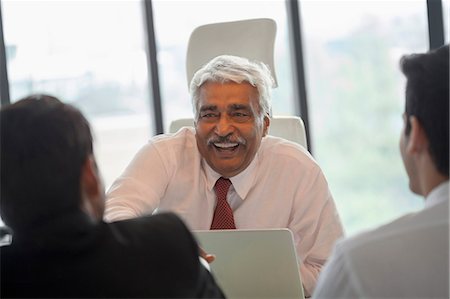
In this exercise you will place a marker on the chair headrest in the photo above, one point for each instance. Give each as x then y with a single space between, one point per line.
253 39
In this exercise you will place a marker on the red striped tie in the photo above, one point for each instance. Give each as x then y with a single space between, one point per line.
223 215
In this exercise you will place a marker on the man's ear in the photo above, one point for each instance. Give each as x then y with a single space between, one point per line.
266 125
92 194
417 139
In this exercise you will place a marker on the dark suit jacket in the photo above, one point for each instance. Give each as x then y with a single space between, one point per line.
154 256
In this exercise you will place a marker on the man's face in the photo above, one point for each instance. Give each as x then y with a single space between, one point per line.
229 127
407 158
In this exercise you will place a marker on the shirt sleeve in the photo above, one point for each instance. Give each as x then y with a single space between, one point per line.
336 281
140 187
316 226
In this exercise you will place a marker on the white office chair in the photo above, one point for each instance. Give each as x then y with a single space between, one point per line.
287 127
253 39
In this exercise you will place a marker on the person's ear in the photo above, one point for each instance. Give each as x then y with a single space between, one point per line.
417 139
266 125
91 189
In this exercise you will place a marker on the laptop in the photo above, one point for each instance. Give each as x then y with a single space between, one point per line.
254 263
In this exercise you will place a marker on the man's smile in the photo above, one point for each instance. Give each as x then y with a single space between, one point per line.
225 149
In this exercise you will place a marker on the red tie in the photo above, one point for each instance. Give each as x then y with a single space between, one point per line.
223 215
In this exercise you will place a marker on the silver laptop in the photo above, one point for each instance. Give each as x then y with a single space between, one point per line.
254 263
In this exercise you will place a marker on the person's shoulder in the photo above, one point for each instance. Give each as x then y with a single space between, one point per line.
185 136
283 150
152 226
180 145
411 248
410 228
161 236
165 254
272 144
367 238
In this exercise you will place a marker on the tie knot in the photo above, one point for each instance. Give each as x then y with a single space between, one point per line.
221 188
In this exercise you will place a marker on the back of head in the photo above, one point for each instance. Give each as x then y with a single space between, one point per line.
44 144
227 68
427 98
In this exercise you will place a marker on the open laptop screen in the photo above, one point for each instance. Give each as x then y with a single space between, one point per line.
254 263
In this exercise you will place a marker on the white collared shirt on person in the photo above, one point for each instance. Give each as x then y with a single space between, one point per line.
283 187
407 258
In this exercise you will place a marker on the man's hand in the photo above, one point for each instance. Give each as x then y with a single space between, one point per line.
206 256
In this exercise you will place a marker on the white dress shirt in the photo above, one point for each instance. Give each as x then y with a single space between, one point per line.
407 258
283 187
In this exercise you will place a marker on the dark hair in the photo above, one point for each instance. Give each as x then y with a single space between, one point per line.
427 98
44 144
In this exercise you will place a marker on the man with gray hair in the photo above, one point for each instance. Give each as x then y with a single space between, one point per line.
227 173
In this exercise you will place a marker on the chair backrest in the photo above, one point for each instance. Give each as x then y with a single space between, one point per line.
253 39
287 127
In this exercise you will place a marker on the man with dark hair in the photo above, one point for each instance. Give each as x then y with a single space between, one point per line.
408 258
52 199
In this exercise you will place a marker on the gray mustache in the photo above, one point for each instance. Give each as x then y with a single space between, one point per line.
226 139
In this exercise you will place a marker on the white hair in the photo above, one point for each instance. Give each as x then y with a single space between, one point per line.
227 68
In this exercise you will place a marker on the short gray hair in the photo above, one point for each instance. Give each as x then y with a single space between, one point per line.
227 68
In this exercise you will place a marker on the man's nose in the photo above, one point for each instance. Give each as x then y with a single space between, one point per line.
224 126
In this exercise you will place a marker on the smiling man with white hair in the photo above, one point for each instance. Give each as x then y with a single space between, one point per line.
227 173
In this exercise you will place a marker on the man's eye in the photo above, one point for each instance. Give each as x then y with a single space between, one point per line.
209 115
240 114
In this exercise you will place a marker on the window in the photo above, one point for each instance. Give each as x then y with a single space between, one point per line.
356 101
92 55
172 39
446 16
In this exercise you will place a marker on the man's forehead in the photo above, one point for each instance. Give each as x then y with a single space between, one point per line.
210 87
225 83
219 91
230 106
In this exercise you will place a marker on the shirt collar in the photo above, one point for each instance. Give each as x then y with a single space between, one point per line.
437 195
242 182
